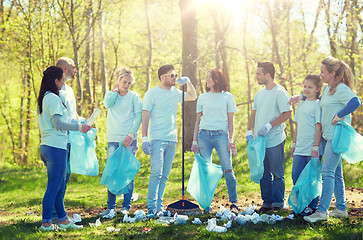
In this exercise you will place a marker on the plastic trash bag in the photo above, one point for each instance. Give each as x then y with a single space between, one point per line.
308 186
348 142
120 170
256 150
83 159
203 181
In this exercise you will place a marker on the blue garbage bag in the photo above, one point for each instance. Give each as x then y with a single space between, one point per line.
348 142
256 150
120 170
308 186
83 159
203 181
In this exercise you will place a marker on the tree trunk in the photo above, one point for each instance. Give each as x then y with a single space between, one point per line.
190 54
148 67
87 95
103 58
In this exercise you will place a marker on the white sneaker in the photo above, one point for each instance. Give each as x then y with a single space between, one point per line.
336 213
315 217
110 215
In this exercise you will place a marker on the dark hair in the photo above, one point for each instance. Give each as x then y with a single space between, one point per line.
343 74
267 67
220 81
317 82
164 69
48 84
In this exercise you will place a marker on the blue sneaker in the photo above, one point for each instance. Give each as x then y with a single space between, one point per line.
150 214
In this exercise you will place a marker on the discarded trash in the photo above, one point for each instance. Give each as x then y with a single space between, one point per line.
166 220
228 225
240 220
110 229
139 215
96 224
181 219
197 221
128 219
146 230
249 210
76 218
29 213
291 216
212 226
134 197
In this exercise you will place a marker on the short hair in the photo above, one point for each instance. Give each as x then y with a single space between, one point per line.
64 61
164 69
121 72
220 81
267 67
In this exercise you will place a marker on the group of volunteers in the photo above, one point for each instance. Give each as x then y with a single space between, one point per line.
315 119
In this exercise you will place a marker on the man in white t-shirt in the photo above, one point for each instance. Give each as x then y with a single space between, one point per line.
160 107
269 113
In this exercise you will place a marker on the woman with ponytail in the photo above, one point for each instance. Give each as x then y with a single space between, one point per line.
52 116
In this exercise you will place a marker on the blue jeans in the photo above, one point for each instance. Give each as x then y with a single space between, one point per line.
333 180
299 163
161 160
55 161
111 198
272 183
209 139
66 178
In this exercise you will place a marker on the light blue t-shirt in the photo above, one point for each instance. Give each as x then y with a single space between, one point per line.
52 137
269 104
67 96
121 114
215 108
162 105
331 105
307 115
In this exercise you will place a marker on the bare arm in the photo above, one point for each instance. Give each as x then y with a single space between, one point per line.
281 118
196 127
145 122
295 134
191 93
231 125
251 120
317 137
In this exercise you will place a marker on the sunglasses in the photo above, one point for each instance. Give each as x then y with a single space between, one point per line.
172 75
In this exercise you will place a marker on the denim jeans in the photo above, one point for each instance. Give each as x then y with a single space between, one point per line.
111 198
299 163
272 183
161 160
333 180
55 161
209 139
66 178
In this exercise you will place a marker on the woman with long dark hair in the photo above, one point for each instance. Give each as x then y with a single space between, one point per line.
52 116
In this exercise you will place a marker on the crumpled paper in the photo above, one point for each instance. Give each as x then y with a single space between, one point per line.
212 226
96 224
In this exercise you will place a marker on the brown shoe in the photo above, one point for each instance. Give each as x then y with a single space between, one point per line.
264 210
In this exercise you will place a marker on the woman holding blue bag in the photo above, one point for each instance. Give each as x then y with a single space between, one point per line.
52 116
337 102
307 135
123 121
214 128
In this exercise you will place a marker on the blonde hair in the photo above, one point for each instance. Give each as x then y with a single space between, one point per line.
343 74
121 72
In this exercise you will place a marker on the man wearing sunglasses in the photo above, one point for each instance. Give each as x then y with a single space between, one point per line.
160 107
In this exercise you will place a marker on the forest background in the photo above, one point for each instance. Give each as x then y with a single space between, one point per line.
193 35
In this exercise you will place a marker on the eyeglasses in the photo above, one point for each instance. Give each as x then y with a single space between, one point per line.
172 75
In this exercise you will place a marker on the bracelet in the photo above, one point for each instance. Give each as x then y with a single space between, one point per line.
230 141
131 135
293 144
195 143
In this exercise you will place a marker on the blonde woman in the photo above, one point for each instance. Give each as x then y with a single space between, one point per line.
123 121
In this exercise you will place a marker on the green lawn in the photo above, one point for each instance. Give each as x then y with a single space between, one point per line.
22 189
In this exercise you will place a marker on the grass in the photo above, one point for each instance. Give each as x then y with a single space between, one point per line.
22 189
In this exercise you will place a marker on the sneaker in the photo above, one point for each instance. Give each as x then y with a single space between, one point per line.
55 220
307 212
264 209
52 227
70 226
150 214
234 208
123 211
315 217
106 212
111 214
336 213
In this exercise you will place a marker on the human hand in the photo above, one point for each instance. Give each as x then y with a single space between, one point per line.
336 119
194 147
183 80
295 99
264 130
232 147
249 135
292 149
128 140
115 89
315 151
146 146
85 128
